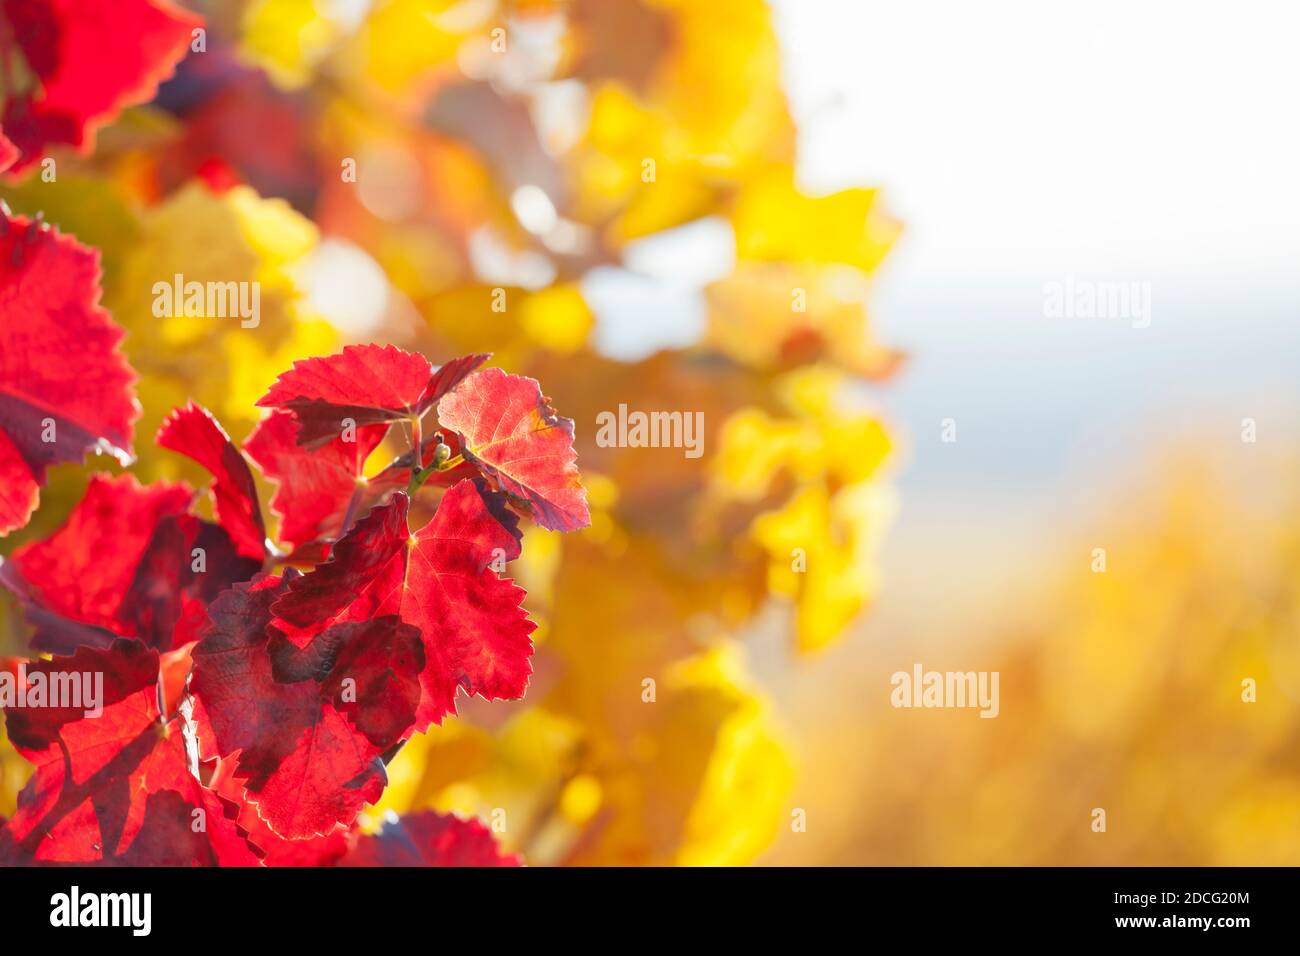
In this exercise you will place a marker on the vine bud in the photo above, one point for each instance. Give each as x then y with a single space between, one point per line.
441 451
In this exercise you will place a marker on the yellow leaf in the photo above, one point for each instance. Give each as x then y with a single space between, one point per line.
557 318
402 41
743 797
774 221
773 316
287 38
822 555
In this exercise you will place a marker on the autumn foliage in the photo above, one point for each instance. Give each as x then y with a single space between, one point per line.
292 687
298 550
303 683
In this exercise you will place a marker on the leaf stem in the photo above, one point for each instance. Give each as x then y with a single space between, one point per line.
417 455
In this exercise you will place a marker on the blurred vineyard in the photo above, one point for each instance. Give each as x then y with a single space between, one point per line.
1163 691
457 177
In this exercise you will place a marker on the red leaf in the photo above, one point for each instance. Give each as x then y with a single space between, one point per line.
439 580
430 839
193 432
508 428
124 564
307 766
83 571
116 787
65 389
164 606
369 384
315 486
374 663
90 58
324 850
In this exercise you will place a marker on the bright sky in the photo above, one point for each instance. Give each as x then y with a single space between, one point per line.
1024 141
1132 136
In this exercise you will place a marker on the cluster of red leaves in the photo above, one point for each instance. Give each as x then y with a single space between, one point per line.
268 698
66 67
248 708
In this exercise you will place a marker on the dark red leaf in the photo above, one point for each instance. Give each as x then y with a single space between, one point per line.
430 839
442 581
130 562
305 764
115 787
187 563
369 670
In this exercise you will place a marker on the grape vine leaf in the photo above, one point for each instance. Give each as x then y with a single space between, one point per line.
65 388
508 428
369 384
193 432
313 486
124 564
429 839
310 755
186 565
85 61
324 850
80 574
116 787
442 581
